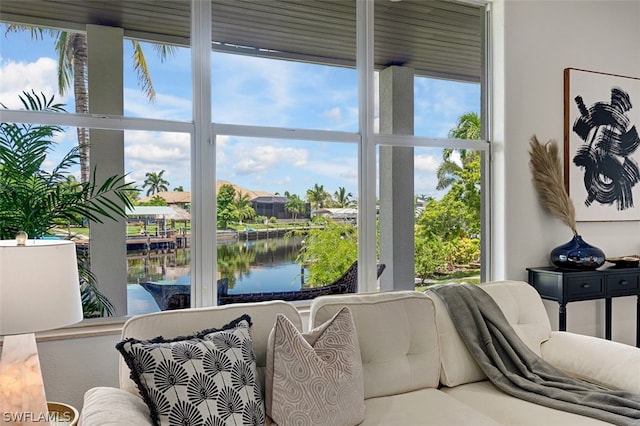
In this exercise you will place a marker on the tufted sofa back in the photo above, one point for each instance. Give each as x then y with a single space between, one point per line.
522 308
183 322
397 336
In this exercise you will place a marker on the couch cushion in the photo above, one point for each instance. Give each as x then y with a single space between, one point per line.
424 407
397 337
508 410
188 321
206 378
315 378
607 364
522 308
107 406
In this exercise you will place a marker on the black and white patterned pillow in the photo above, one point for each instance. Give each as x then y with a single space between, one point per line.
209 378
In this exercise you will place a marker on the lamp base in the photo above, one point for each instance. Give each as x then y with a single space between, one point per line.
22 397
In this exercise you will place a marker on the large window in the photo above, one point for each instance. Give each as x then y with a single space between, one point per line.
286 103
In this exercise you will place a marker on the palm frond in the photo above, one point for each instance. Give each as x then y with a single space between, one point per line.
94 303
64 49
546 169
142 71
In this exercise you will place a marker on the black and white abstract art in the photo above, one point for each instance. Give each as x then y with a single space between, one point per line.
602 146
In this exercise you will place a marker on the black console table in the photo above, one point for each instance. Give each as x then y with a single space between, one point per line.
564 286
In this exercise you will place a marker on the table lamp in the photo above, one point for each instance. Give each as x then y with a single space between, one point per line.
39 290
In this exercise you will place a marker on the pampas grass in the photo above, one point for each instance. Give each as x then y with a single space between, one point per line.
546 168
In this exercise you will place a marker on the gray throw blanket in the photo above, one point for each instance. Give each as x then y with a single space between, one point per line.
516 370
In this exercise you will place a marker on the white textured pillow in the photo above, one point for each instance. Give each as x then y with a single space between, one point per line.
208 378
315 378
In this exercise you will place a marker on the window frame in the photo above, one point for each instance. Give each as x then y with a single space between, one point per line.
203 134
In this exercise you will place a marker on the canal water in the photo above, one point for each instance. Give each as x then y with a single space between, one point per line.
250 266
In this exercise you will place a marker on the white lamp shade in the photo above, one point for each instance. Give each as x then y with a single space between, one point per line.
39 286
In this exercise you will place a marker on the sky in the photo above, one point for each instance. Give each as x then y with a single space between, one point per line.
250 91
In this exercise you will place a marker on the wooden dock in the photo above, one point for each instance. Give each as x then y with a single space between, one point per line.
151 242
175 240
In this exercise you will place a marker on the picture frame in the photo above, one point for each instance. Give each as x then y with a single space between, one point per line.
601 145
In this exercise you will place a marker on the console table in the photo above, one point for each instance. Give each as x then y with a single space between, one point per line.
564 286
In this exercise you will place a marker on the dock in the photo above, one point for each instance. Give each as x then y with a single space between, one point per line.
171 240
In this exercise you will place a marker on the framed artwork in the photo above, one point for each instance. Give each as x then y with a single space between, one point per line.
601 144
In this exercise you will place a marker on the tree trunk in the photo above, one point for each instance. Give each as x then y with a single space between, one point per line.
81 94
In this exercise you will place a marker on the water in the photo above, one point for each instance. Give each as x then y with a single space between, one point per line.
250 267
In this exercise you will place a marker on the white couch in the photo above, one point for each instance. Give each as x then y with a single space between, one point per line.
416 369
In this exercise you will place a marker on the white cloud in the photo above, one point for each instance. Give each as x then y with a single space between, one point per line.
254 159
426 163
39 76
155 151
252 90
426 180
333 115
343 171
166 107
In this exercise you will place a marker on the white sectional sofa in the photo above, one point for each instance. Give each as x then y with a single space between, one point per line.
416 370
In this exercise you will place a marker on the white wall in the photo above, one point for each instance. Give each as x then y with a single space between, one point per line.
541 39
72 366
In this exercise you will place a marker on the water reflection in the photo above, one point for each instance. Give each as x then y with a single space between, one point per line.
241 260
250 266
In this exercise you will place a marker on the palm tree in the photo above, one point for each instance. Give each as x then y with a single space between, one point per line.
343 198
317 196
155 182
463 178
241 207
468 126
72 65
295 206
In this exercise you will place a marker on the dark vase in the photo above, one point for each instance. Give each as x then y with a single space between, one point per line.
577 254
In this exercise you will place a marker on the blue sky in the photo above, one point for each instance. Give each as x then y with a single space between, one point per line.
246 90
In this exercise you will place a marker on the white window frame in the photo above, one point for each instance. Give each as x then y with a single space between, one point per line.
203 133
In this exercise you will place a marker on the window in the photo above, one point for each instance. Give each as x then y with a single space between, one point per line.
160 86
436 96
296 189
281 83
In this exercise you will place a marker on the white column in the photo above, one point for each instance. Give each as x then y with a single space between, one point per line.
108 239
396 181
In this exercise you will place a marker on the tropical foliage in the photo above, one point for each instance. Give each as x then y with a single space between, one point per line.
73 63
342 198
225 197
317 196
241 207
156 200
295 206
36 200
232 206
328 251
155 182
447 230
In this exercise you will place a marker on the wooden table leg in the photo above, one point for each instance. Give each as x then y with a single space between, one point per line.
607 318
562 317
638 323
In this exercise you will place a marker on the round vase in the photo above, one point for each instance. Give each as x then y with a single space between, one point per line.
577 254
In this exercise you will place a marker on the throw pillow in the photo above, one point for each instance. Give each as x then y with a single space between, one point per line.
209 378
315 378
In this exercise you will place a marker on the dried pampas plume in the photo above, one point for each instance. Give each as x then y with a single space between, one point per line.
546 168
